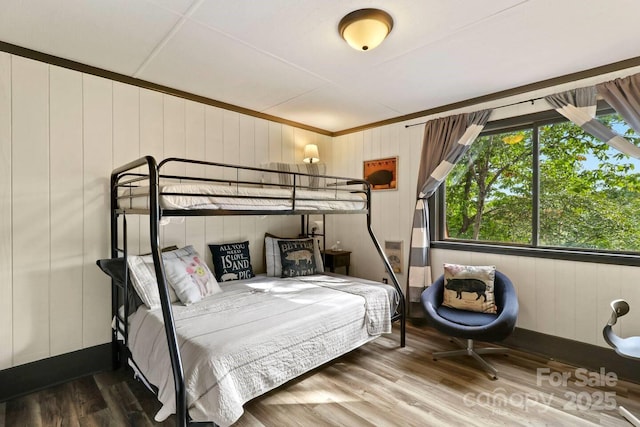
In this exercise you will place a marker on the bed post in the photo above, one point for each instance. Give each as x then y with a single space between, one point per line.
115 354
165 302
401 305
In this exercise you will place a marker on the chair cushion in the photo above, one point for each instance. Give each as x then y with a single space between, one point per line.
470 287
464 317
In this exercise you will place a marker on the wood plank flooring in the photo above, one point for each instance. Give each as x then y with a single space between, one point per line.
379 384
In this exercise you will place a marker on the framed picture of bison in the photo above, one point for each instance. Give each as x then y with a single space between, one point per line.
382 174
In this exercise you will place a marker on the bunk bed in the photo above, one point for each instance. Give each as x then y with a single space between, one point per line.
144 187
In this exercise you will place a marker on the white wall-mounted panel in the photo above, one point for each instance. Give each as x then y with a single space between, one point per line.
174 146
231 155
30 209
247 153
195 149
274 224
630 291
275 142
261 156
288 145
126 147
151 144
564 273
522 271
6 254
67 244
213 153
586 288
151 124
97 136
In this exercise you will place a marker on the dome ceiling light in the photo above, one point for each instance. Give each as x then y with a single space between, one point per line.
365 29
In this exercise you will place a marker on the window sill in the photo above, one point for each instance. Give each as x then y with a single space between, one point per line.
553 253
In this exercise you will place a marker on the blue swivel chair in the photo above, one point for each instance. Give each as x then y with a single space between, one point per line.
471 325
625 347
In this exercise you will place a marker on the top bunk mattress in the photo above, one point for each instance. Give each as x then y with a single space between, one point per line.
194 196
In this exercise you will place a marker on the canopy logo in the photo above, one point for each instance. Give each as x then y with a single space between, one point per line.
594 398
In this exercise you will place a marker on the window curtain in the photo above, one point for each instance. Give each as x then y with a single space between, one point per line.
624 96
579 106
445 141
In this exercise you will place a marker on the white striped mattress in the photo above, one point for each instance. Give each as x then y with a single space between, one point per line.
252 198
256 335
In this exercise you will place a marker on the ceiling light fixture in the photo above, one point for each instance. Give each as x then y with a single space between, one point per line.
365 29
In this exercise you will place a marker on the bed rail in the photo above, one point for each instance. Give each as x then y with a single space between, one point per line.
294 193
146 173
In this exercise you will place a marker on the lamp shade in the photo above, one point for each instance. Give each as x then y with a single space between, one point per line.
311 153
365 29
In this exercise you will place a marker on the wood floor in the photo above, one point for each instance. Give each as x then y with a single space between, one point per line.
379 384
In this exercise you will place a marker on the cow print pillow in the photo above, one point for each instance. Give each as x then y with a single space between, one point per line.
231 261
297 257
469 287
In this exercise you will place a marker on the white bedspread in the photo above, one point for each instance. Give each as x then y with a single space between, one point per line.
256 335
252 198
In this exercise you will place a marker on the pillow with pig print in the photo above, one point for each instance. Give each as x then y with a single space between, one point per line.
231 261
469 287
186 273
297 257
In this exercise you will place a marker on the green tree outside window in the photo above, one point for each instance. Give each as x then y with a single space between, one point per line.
589 193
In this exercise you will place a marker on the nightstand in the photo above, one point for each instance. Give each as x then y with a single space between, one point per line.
334 259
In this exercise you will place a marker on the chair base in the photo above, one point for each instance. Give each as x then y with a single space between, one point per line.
468 349
629 416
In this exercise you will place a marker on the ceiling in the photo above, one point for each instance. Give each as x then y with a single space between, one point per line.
285 58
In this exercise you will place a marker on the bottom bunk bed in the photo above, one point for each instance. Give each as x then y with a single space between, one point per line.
254 336
239 339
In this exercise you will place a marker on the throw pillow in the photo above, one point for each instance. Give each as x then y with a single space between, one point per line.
186 272
189 275
468 287
231 261
297 257
272 255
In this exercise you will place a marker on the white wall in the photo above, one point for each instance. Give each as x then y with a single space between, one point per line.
61 134
562 298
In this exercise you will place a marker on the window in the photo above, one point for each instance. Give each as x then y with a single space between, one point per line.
546 184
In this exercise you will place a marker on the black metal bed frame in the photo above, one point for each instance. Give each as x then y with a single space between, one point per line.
127 177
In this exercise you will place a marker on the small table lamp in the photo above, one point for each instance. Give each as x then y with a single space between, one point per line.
311 154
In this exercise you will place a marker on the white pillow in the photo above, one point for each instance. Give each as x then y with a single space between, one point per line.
188 277
272 255
143 278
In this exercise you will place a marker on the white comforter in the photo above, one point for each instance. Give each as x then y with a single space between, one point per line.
254 336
